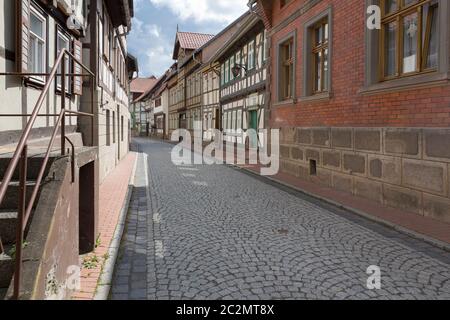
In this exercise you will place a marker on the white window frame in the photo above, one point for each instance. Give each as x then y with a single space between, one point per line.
227 71
232 64
265 46
251 55
61 35
35 40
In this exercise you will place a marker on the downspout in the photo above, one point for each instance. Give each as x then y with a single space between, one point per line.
201 92
193 57
252 10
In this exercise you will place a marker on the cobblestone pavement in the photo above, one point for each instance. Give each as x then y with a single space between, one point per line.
214 232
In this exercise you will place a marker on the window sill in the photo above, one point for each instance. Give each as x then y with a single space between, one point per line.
407 83
316 97
283 103
34 82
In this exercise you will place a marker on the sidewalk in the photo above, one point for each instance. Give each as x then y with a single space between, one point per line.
427 229
112 195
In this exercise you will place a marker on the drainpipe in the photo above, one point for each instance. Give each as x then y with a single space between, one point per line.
193 57
252 10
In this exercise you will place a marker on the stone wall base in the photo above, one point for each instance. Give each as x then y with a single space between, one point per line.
405 168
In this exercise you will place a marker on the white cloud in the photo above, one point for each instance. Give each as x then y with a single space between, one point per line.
221 11
153 49
152 36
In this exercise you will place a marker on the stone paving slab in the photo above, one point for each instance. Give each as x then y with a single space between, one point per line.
213 232
431 230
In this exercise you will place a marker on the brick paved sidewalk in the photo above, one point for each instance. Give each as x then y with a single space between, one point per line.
111 200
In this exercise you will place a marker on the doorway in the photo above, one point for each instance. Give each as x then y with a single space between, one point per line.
86 217
253 124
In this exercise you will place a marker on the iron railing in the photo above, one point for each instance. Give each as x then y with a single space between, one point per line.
20 157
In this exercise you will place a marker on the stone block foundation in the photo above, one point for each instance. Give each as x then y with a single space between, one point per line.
405 168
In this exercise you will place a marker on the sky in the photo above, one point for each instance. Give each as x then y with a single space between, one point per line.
155 23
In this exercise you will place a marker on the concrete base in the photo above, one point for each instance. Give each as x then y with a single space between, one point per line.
8 225
6 272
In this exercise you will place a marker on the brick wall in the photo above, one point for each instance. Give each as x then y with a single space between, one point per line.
389 146
347 106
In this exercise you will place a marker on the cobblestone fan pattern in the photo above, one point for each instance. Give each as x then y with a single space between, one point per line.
214 232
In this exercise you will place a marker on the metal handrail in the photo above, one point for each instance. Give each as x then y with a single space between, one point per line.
70 114
20 156
42 170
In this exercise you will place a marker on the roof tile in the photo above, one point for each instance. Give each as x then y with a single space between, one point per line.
192 40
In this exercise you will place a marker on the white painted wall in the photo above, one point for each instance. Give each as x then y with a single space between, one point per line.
16 98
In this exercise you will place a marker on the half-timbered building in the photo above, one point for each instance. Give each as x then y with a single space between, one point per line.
243 77
210 77
185 96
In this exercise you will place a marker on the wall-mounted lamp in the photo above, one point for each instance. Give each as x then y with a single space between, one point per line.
236 70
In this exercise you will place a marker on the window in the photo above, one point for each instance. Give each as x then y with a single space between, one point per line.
244 58
320 56
231 67
114 126
409 37
260 49
233 124
222 74
63 42
37 45
121 128
225 121
318 52
227 71
286 74
111 45
266 46
251 55
100 44
239 120
238 61
108 128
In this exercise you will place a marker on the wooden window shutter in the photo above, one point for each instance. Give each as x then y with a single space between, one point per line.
78 80
23 35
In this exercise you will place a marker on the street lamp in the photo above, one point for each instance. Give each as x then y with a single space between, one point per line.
236 70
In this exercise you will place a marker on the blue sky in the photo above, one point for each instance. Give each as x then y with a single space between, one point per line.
155 22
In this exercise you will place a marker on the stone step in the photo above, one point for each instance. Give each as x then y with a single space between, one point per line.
36 152
11 199
8 225
6 273
34 165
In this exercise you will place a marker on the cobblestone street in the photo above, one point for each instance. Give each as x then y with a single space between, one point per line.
215 232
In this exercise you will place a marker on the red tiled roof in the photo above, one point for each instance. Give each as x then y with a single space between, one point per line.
146 92
192 40
141 85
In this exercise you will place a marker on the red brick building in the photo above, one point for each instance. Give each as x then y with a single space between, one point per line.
363 111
